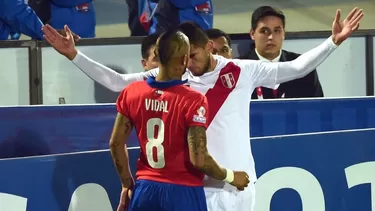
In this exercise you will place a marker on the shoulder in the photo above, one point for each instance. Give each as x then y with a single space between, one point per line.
246 64
250 54
134 87
136 84
290 55
224 63
190 95
190 92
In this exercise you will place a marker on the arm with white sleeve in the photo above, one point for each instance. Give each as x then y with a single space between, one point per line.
106 76
269 74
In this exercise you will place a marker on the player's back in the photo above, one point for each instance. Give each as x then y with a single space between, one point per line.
161 114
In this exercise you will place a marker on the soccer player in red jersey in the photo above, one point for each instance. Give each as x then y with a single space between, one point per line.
171 120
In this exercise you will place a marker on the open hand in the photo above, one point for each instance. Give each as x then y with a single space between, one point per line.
76 37
341 30
64 44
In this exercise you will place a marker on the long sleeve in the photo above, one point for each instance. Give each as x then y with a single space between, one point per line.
108 77
268 74
22 19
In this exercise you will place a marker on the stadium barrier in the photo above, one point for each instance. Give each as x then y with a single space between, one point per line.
310 172
328 171
42 130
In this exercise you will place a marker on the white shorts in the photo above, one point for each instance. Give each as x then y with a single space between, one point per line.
222 200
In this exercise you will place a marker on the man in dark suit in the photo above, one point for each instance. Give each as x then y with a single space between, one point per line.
268 32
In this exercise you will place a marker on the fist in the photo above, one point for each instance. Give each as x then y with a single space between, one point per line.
241 180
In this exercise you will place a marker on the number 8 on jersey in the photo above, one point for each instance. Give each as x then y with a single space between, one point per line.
155 139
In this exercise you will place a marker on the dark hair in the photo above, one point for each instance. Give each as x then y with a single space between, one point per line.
147 43
168 44
265 11
217 33
194 32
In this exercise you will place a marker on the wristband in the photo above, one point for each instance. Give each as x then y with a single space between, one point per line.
230 176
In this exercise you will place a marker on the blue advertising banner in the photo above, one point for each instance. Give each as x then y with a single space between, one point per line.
42 130
313 172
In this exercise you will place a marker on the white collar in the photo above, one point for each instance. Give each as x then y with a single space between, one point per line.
277 59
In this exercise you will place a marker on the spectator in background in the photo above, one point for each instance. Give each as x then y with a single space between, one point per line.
137 8
149 60
79 15
268 32
170 13
222 42
17 18
42 8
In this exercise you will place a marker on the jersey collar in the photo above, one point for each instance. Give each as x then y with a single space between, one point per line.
164 84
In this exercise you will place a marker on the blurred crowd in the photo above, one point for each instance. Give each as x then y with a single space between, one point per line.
19 17
150 18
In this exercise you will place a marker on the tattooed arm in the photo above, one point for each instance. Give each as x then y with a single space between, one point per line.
199 155
119 151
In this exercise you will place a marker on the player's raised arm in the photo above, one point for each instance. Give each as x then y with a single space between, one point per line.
269 74
106 76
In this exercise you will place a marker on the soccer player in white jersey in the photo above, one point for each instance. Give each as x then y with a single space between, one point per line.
226 84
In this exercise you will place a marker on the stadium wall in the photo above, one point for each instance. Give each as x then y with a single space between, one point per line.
311 155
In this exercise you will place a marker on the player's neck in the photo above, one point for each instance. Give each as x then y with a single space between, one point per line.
164 76
213 63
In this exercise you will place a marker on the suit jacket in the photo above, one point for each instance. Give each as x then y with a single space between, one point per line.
308 86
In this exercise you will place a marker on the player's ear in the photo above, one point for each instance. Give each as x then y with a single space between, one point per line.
183 60
252 34
144 63
210 46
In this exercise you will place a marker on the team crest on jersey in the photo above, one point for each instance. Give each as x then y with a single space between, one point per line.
228 80
159 92
200 118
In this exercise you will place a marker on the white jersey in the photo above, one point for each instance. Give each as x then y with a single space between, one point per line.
228 90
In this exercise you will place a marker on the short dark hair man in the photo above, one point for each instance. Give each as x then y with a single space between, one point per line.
222 42
149 60
268 32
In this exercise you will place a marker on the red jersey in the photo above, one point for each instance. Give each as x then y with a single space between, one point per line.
161 113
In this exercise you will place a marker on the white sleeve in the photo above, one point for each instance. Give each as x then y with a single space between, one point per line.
269 74
108 77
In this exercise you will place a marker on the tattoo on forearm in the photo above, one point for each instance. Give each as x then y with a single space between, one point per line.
119 151
197 142
119 166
